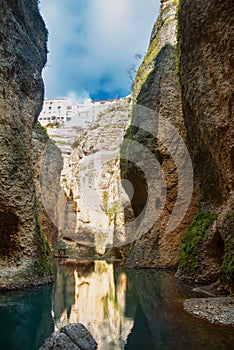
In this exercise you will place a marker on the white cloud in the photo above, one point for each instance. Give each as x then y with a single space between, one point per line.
83 96
92 43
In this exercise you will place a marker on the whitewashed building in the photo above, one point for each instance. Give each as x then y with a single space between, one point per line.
68 113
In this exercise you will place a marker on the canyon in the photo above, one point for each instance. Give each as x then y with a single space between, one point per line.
181 115
148 185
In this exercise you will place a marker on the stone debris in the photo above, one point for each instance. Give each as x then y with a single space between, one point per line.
215 310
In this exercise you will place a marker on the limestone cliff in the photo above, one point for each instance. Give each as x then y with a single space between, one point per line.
94 215
157 88
22 56
205 49
47 164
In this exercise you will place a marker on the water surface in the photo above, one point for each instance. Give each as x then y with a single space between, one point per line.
123 309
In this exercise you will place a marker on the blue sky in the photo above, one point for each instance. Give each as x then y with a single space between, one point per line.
92 44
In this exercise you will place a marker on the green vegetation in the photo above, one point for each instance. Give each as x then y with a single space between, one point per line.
109 301
147 67
40 129
192 240
228 259
94 126
104 206
20 148
42 266
76 143
112 211
61 142
53 125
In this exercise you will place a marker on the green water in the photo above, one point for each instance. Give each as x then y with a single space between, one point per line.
123 309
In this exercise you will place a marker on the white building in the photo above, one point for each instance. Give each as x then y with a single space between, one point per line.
69 113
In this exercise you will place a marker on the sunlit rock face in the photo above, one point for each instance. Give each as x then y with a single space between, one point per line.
22 57
48 164
92 183
92 296
157 89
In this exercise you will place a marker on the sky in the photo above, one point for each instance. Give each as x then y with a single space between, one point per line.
93 44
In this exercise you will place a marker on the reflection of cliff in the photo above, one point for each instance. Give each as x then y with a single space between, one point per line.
93 298
64 292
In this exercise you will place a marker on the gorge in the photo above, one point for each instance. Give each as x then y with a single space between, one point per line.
149 183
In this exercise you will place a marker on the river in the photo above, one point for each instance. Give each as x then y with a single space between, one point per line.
123 309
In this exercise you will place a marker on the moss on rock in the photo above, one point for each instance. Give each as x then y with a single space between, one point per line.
42 266
227 269
41 130
189 259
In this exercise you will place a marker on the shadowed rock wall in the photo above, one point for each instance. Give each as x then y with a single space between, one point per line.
22 56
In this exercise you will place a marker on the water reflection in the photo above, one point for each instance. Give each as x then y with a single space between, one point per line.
123 309
91 293
160 321
132 309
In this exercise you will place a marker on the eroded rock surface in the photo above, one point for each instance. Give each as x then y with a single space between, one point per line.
93 216
206 41
201 110
48 164
22 56
157 88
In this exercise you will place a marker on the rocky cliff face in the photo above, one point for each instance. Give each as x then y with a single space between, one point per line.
206 32
47 164
157 89
201 111
93 216
22 57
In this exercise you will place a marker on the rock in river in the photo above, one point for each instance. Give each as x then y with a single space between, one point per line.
73 336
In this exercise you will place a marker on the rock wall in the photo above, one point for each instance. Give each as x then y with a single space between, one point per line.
205 47
93 216
47 164
157 88
186 79
22 56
